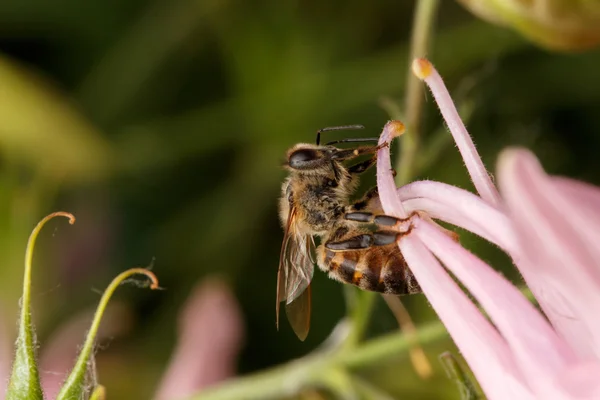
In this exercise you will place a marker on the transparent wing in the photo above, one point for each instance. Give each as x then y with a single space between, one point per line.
296 268
298 265
298 313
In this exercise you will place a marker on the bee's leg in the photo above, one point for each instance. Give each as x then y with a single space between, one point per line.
348 154
366 240
364 202
377 219
362 166
395 223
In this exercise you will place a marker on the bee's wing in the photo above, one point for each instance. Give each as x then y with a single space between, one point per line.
298 313
296 267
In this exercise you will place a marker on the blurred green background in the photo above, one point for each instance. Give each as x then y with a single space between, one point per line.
162 126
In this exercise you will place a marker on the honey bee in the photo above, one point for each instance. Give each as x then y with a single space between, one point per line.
358 242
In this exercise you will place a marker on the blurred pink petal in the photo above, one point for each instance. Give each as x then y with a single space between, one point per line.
585 195
58 356
561 261
210 338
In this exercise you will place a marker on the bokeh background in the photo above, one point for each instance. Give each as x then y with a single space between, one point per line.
162 126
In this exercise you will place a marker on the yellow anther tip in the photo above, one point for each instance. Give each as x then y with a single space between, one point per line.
396 128
422 68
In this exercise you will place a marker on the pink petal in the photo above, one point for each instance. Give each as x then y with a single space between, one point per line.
424 70
560 252
582 381
461 208
541 354
210 338
585 195
480 344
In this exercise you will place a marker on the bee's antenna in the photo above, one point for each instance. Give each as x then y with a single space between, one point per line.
336 128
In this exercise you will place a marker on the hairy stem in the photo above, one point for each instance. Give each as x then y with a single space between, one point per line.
24 382
74 387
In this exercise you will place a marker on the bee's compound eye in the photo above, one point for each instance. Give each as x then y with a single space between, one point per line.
302 158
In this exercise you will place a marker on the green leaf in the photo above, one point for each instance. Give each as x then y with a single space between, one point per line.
24 383
76 387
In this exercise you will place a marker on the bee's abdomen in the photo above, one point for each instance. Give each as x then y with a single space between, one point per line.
380 269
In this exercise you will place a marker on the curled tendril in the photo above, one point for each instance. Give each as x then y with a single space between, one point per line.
25 381
74 386
29 253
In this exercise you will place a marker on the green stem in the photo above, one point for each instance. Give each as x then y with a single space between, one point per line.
288 379
360 305
421 32
340 384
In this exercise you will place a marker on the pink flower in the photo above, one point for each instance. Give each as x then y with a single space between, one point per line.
550 227
210 338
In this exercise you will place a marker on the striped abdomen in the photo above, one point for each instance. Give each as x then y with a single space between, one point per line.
379 269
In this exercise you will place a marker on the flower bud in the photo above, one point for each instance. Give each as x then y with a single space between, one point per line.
563 25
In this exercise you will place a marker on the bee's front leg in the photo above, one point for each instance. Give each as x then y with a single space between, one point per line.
361 167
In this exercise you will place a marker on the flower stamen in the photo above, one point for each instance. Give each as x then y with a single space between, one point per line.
425 71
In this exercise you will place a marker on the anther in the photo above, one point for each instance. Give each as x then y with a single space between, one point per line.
422 68
396 128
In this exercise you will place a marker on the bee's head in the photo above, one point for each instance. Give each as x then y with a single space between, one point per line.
306 157
317 159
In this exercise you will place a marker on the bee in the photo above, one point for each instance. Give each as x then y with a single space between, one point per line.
358 241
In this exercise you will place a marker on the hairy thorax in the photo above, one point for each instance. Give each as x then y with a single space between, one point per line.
320 203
